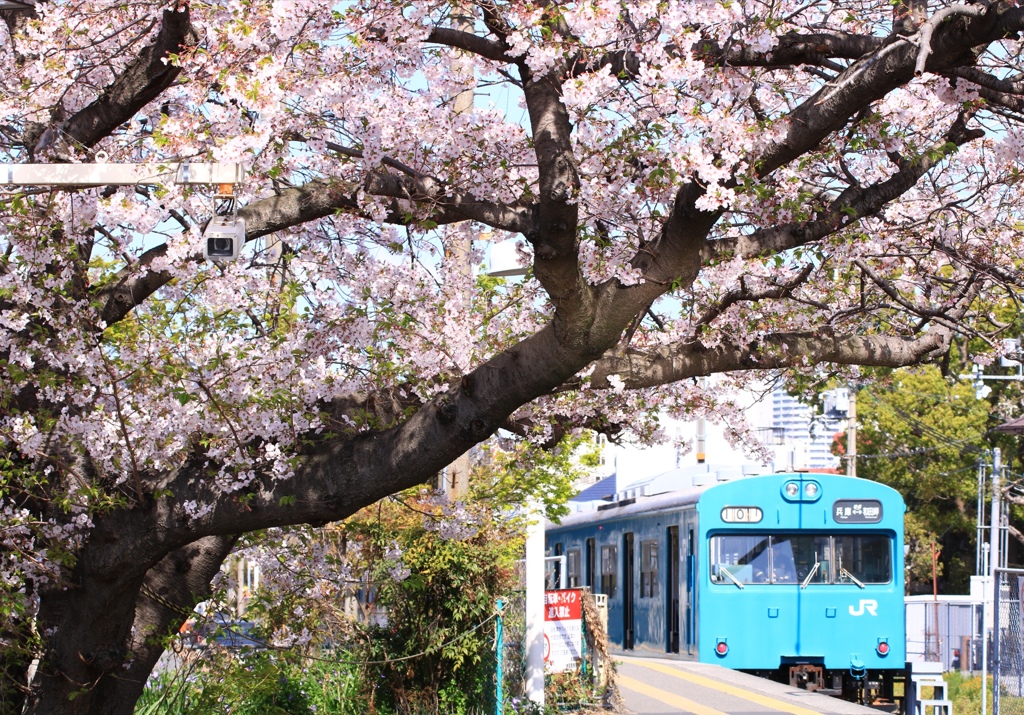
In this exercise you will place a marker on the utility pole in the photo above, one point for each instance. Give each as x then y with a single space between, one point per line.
851 435
702 429
456 482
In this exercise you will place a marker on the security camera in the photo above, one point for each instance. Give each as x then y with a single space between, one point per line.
223 238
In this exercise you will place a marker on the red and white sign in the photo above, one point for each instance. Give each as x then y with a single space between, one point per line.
563 629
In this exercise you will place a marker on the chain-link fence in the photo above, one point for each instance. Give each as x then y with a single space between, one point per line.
945 632
513 655
1008 644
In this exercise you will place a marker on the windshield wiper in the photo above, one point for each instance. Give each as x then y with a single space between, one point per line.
807 579
844 572
728 574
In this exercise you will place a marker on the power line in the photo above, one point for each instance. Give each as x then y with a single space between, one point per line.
929 431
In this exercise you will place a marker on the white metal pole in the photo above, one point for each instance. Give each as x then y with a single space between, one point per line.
994 558
985 609
991 618
535 606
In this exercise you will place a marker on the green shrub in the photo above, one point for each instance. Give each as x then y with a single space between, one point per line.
965 693
260 683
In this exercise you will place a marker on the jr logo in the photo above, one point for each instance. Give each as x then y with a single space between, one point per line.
866 604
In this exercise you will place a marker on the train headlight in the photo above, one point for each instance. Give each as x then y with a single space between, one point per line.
801 490
882 647
721 648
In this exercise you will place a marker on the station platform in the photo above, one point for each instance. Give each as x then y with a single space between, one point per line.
651 686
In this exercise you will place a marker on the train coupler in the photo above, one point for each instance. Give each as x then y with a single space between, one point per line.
806 676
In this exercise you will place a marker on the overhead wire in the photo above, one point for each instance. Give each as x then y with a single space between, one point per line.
929 431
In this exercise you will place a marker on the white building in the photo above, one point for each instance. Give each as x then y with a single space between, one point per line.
798 436
807 433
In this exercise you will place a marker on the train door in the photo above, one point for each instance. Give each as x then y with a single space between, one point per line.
672 590
628 567
691 591
591 565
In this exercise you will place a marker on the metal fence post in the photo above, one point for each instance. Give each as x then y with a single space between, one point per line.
995 641
499 648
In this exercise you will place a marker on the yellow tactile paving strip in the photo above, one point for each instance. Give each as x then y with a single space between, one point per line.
662 696
764 700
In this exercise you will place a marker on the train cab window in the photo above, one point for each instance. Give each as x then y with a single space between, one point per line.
799 558
648 569
863 559
740 559
573 568
609 562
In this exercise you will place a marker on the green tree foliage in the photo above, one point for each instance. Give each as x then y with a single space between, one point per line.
923 434
520 472
432 652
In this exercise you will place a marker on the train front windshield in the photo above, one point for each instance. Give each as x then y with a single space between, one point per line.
801 558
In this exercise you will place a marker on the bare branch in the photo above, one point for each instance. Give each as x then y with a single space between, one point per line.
433 194
984 79
928 29
745 295
852 205
469 42
793 49
780 350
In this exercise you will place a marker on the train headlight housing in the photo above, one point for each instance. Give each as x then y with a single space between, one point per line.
721 648
800 490
882 647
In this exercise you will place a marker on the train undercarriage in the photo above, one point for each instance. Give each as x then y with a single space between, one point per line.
867 687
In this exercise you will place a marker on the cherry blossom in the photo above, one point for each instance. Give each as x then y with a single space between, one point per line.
699 188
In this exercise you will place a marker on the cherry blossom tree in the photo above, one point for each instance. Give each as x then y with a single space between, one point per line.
699 188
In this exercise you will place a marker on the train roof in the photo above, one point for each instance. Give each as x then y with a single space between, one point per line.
638 502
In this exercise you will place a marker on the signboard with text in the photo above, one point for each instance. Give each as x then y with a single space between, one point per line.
563 629
857 511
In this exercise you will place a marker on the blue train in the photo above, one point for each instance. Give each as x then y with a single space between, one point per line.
797 577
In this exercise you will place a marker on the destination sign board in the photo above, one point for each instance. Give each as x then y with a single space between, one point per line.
857 511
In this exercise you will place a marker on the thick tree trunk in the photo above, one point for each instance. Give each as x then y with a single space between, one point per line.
111 627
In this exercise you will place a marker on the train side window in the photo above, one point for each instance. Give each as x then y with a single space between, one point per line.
591 569
609 563
863 558
740 559
573 568
648 569
557 573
